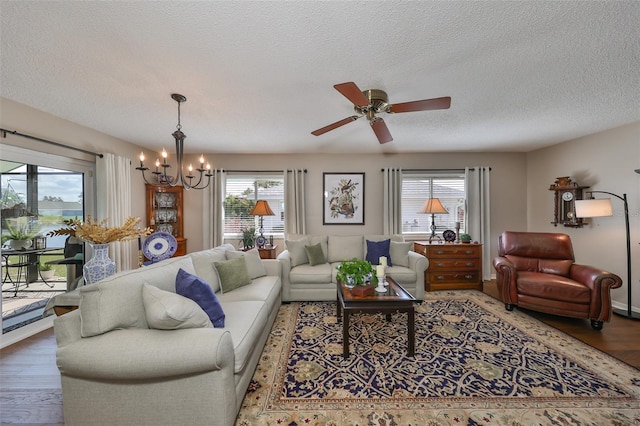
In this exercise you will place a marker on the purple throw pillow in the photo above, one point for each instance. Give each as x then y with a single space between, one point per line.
199 291
375 249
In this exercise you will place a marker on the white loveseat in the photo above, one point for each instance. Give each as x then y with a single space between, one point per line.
117 369
302 280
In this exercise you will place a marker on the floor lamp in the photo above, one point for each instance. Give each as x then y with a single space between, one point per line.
602 207
434 207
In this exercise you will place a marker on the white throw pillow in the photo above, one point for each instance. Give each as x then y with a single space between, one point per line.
399 253
297 253
203 264
255 267
170 311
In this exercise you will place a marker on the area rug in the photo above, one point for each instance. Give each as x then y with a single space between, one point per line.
475 364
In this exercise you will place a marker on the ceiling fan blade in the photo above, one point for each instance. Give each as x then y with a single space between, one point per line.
424 105
350 91
381 130
335 125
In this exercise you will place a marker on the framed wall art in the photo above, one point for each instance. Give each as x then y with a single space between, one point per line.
343 199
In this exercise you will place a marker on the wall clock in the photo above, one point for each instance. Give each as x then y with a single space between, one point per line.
566 193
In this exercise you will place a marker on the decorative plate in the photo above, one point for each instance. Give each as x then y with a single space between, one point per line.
159 246
449 235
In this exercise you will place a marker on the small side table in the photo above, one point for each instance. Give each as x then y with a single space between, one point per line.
267 252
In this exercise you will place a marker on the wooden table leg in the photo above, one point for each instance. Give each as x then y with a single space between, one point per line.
345 333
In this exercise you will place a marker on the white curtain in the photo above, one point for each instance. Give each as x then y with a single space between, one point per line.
392 201
478 188
294 202
113 185
213 210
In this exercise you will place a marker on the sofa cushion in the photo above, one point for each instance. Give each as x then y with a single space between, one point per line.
315 254
188 285
307 274
245 321
297 252
170 311
376 250
255 267
345 247
232 274
115 301
399 253
203 263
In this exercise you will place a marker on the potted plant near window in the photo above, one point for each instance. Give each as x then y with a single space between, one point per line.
21 231
358 275
248 237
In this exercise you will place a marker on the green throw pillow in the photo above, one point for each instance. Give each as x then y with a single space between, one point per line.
232 274
315 255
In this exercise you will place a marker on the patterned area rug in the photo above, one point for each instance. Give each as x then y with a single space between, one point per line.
475 364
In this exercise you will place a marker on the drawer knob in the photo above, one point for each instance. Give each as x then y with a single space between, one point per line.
468 276
441 265
469 263
469 252
439 251
440 277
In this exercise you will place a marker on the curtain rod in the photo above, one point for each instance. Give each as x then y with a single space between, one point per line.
433 170
259 171
35 138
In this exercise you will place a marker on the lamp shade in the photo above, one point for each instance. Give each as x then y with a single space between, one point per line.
433 206
594 208
262 209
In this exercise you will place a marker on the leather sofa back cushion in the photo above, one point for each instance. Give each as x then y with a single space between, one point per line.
540 245
547 266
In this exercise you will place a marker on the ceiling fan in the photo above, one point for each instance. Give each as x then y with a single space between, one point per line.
374 101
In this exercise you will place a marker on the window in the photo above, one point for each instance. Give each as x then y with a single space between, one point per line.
417 187
241 194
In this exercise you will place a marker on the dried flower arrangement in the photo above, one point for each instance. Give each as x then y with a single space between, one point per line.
99 233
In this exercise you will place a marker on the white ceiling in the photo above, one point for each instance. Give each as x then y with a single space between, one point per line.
259 76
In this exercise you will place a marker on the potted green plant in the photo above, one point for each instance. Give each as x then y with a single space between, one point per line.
21 231
248 237
358 275
47 271
465 238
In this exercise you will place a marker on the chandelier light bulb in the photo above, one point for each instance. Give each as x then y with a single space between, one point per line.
164 153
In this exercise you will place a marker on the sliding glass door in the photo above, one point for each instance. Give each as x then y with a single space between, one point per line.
37 192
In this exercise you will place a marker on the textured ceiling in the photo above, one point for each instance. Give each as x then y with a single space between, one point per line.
259 76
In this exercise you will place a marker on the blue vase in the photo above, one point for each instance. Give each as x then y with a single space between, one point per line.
100 266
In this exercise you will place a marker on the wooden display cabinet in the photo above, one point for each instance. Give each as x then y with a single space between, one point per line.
451 266
164 213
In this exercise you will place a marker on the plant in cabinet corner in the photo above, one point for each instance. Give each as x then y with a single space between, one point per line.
356 272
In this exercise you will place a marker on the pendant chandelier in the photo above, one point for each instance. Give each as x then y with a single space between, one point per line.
161 178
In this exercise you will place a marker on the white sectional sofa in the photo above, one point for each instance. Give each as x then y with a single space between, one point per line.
125 358
305 280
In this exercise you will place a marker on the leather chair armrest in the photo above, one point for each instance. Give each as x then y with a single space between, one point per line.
600 283
506 279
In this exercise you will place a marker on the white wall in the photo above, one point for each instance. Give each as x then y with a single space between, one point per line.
508 183
606 162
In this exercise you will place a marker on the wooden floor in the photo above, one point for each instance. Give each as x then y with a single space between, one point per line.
30 383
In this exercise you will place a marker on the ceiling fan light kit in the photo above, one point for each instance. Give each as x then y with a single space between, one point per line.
370 102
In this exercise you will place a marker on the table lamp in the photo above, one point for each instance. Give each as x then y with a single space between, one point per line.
434 207
261 209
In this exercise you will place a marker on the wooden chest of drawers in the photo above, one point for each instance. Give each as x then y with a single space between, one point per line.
451 266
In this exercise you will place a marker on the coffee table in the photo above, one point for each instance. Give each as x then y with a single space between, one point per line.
396 299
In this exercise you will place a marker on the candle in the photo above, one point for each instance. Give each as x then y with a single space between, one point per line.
382 261
380 270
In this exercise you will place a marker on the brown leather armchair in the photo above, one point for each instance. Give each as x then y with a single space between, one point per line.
536 270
